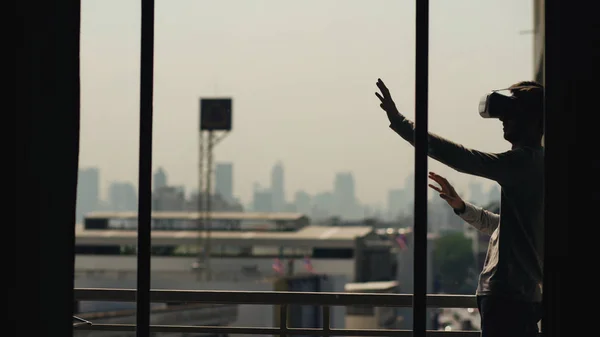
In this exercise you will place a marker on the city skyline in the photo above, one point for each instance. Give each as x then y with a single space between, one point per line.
104 185
340 200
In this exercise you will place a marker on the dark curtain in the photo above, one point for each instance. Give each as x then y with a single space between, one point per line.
47 147
571 55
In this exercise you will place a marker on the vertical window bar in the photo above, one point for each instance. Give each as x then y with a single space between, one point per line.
145 170
283 327
326 321
421 149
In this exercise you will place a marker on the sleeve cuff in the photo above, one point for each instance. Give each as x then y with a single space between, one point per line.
457 212
471 212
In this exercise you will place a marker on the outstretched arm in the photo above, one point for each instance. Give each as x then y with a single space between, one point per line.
483 220
495 166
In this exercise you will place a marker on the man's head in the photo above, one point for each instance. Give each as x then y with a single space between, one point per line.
526 123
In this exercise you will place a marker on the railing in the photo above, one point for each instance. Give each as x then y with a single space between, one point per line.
199 314
225 276
283 300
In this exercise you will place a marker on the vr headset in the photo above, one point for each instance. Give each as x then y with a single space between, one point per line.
496 105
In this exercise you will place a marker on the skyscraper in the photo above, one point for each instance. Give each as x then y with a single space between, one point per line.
122 196
344 196
397 203
322 206
278 188
88 196
476 194
169 198
302 201
160 179
262 201
224 181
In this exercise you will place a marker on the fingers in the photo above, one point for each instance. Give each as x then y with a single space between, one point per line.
439 179
446 191
433 174
382 87
383 101
435 188
446 187
446 197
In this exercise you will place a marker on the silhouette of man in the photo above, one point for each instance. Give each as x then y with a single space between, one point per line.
509 291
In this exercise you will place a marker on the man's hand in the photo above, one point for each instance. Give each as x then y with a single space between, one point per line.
447 192
387 104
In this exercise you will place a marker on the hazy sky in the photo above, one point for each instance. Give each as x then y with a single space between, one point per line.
302 76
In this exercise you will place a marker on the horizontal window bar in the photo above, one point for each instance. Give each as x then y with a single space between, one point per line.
274 298
274 331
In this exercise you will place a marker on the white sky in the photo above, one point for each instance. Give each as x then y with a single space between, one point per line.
302 75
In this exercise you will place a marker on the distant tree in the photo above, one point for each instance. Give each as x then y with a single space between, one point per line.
453 260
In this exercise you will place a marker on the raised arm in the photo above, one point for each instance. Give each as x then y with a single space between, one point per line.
500 167
483 220
494 166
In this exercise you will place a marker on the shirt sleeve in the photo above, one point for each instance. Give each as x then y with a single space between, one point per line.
500 167
483 220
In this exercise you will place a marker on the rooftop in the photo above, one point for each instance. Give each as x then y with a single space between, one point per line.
309 236
185 215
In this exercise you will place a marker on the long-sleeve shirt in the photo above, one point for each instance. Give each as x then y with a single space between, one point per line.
482 219
514 263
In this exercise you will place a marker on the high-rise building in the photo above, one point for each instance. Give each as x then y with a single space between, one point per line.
122 196
397 203
302 201
160 179
262 201
169 198
278 188
401 200
476 194
88 196
409 189
344 196
322 206
224 181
